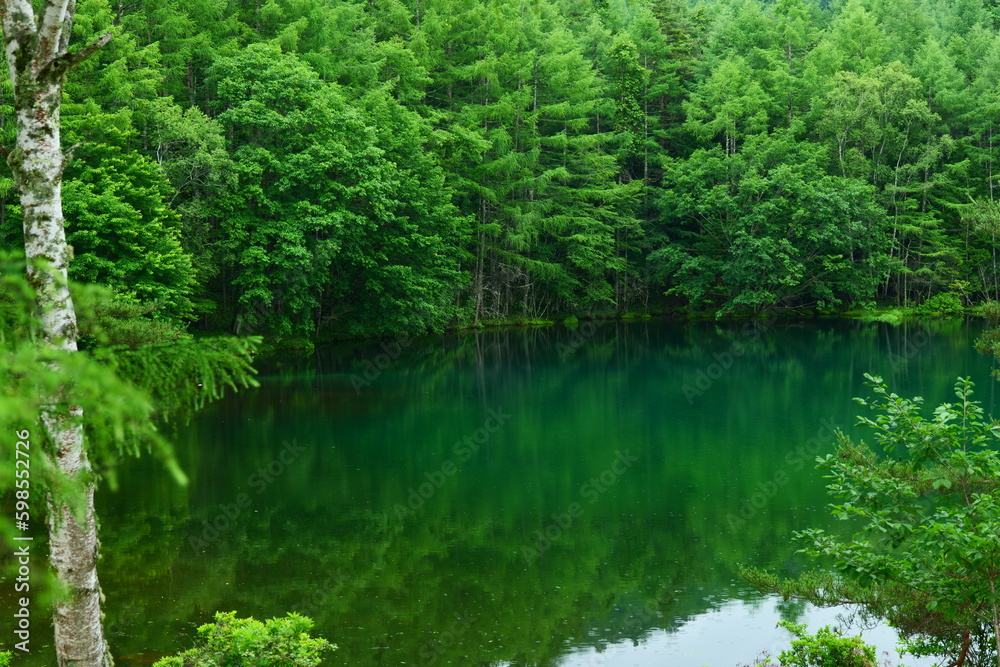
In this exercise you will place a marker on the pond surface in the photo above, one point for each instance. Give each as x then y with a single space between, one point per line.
531 497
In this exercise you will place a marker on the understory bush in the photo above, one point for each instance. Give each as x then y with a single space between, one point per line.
826 648
245 642
942 304
925 557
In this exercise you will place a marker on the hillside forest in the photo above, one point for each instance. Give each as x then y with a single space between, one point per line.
330 168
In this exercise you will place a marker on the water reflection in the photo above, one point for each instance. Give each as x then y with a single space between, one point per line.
724 635
469 502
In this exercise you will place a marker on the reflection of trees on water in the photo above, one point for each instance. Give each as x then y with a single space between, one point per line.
449 583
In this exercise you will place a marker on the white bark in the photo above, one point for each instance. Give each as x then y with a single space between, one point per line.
73 551
38 60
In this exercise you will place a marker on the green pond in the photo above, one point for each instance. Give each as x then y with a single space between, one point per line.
549 496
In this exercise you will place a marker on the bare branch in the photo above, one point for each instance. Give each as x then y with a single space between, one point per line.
68 155
68 61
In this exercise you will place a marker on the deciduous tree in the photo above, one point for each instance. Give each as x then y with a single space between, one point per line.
926 556
38 57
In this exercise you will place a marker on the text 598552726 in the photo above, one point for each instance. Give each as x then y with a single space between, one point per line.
22 521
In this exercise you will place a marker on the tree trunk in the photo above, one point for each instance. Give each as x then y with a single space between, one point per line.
37 164
38 59
73 545
79 637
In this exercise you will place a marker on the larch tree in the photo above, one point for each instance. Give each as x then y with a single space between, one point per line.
38 56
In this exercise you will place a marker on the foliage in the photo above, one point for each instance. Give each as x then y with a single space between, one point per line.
826 647
123 234
236 642
943 303
991 311
331 203
926 555
765 226
134 372
308 170
989 343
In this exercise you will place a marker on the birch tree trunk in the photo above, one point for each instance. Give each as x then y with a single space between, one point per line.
38 59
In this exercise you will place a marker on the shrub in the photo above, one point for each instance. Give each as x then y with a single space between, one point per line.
991 311
235 642
925 556
943 303
826 647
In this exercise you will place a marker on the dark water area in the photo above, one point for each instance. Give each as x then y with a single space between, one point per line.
530 497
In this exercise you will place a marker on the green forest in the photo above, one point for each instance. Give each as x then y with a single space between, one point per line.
306 171
314 169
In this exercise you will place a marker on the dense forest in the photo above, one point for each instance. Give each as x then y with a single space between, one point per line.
318 169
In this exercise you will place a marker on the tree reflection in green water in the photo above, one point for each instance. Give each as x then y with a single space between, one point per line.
448 583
